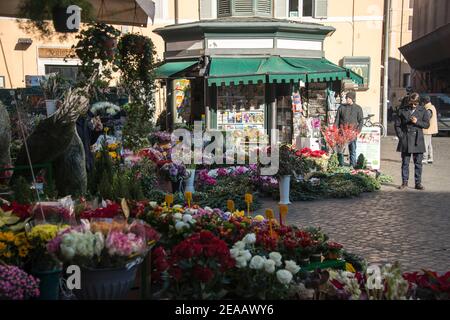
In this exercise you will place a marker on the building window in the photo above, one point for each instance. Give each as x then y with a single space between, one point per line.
406 80
307 8
301 8
69 73
293 8
411 4
410 23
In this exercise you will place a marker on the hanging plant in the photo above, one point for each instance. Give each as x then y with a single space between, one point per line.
136 62
41 12
96 48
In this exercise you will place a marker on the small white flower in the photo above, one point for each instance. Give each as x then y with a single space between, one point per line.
284 276
234 253
187 218
208 209
291 266
269 266
153 204
246 254
239 245
163 215
180 225
257 263
250 238
178 216
275 256
241 262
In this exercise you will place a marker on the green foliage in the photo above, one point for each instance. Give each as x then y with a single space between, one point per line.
333 162
356 261
105 188
385 179
138 125
22 191
339 185
361 163
96 49
136 61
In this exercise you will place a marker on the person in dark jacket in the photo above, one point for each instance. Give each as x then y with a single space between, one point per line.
409 125
350 114
89 129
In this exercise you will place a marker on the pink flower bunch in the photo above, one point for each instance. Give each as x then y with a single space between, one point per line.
124 244
16 284
206 179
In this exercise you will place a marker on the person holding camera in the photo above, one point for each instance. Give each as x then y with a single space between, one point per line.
409 125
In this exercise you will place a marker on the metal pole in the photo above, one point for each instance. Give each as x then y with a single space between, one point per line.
176 11
386 62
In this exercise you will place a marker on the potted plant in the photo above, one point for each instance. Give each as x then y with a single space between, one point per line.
53 87
287 167
109 257
44 266
333 250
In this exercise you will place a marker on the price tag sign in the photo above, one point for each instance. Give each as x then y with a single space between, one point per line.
230 205
169 199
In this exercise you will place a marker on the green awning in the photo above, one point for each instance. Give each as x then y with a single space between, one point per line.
276 70
170 68
235 70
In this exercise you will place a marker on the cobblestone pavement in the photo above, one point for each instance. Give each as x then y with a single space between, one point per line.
410 226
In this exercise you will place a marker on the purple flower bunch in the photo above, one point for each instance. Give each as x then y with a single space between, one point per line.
16 284
175 172
161 137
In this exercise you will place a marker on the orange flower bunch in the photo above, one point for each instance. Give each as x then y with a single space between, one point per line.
338 138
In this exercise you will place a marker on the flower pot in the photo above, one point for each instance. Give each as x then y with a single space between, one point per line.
285 182
341 159
332 256
48 283
316 258
50 105
189 184
106 284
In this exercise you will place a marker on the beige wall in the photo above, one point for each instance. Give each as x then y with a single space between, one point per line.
360 35
359 31
399 35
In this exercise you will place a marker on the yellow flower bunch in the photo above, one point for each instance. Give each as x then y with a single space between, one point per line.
113 146
43 232
113 154
238 213
13 245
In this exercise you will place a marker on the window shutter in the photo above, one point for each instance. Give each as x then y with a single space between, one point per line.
264 7
243 8
320 8
223 8
206 9
281 7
